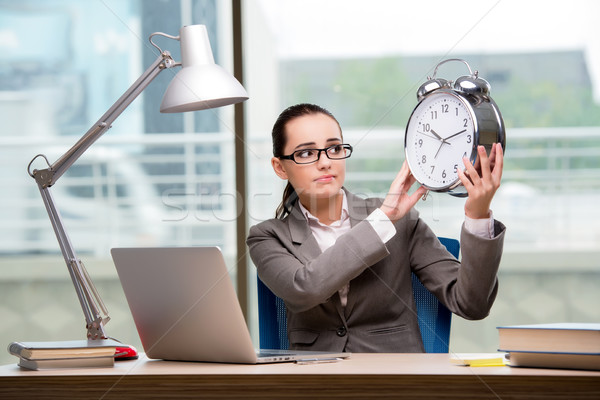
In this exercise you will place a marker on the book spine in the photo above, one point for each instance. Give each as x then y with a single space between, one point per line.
17 349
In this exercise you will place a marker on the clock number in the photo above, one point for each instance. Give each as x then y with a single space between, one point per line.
445 108
444 174
432 169
424 159
468 138
434 115
420 142
456 167
427 127
465 122
456 111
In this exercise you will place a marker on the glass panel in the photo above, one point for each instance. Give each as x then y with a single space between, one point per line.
153 180
364 62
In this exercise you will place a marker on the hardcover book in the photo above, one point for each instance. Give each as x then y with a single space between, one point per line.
79 362
555 338
554 360
64 349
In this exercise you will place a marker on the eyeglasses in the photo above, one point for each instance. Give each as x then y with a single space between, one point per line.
309 156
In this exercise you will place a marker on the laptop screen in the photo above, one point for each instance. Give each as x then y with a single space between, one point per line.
184 304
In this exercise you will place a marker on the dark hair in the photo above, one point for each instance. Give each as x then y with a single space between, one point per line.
279 140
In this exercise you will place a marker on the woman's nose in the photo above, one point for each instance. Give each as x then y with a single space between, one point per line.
323 161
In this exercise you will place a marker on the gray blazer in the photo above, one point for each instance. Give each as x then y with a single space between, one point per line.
380 315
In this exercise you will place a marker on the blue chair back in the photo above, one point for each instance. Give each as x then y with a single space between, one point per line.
434 318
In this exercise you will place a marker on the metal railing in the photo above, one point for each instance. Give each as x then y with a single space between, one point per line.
147 190
179 190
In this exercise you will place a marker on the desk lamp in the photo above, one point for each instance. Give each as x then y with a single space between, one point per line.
199 85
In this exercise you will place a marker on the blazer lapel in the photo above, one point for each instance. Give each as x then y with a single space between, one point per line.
307 246
358 210
301 234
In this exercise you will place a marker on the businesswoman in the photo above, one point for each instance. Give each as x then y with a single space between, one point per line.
342 264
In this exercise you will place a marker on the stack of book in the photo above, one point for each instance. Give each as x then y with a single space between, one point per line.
560 345
65 354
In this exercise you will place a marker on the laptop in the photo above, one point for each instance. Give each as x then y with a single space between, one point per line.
185 308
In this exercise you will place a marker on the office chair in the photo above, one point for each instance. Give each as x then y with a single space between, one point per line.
434 318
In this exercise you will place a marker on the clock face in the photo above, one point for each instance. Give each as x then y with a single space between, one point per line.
440 132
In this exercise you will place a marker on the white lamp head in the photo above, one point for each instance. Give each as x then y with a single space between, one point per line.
201 84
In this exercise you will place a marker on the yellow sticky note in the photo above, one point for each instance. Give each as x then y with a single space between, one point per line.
479 359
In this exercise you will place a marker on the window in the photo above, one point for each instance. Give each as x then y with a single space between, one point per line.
152 180
364 62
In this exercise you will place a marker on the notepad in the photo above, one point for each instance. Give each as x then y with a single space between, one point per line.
479 359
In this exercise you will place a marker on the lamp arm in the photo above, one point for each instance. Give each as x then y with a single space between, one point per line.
94 311
49 176
96 315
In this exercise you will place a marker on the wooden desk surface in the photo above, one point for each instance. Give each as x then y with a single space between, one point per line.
361 376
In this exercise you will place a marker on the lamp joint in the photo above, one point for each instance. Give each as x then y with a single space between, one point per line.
168 61
44 177
95 330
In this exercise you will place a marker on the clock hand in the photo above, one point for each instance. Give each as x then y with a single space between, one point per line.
441 145
443 141
456 134
429 136
436 135
438 150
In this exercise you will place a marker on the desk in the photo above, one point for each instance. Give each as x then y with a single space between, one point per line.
361 376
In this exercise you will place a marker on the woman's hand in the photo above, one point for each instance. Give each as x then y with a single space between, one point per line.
397 202
482 180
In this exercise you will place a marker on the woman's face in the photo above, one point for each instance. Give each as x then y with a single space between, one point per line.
322 179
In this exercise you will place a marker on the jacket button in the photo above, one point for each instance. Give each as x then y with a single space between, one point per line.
341 331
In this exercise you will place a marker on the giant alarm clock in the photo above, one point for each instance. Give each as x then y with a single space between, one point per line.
450 120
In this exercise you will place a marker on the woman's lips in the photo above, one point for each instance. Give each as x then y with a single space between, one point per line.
325 178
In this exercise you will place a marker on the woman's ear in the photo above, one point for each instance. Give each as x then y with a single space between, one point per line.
278 168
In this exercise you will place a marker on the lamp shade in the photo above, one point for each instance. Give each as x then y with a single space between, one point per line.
201 84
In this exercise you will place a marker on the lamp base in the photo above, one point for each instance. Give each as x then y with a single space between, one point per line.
126 352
